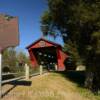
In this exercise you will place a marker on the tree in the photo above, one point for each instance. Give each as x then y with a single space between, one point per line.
10 59
22 58
70 49
80 20
14 61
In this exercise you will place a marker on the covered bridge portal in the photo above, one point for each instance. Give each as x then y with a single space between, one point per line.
47 53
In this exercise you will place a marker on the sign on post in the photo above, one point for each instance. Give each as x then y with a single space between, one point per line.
9 33
9 37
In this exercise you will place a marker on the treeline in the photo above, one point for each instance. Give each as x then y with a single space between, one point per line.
14 61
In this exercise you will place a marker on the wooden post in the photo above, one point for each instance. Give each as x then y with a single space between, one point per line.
41 69
0 75
26 72
56 67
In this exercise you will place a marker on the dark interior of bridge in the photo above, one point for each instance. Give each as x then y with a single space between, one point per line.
46 56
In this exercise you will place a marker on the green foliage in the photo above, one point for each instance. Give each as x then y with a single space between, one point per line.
8 17
9 59
80 20
46 18
14 61
21 57
72 51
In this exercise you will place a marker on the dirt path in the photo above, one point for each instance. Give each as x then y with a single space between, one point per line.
46 87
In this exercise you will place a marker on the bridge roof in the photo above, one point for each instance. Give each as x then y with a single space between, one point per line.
47 42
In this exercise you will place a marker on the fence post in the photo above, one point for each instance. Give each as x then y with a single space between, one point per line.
56 67
0 75
41 69
26 71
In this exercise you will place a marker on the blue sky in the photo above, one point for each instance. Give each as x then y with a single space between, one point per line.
29 13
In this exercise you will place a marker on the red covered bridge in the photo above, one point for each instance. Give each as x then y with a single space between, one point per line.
47 53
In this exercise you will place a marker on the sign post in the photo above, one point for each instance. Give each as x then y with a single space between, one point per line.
0 72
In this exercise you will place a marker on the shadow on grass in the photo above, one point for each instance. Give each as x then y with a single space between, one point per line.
77 77
6 77
15 84
21 82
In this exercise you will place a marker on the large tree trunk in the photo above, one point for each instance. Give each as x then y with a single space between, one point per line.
89 80
92 81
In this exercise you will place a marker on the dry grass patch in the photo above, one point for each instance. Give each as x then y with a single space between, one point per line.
50 86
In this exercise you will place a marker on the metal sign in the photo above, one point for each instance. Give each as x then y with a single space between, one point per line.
9 34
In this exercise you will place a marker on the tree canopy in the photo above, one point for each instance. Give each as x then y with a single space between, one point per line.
80 21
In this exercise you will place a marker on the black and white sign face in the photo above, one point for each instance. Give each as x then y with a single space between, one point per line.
42 44
9 34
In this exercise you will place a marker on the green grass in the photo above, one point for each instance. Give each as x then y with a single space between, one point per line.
78 78
88 94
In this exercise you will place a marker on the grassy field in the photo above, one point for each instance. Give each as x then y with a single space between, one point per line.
49 86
